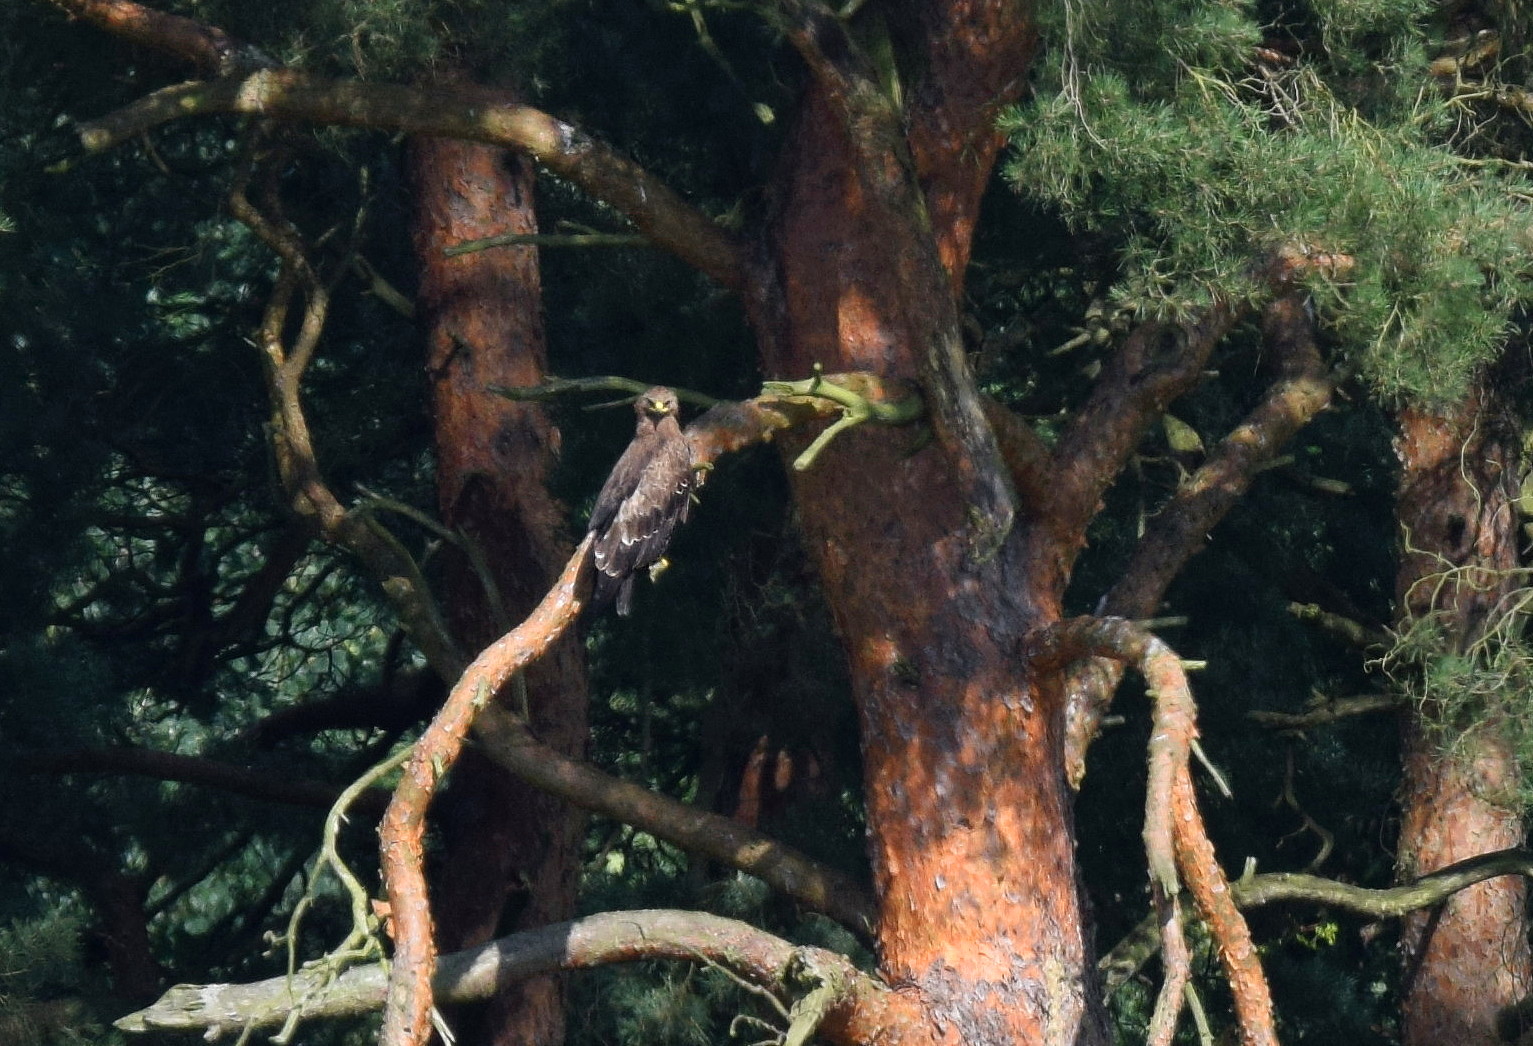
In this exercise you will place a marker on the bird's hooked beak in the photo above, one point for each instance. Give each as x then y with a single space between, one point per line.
659 408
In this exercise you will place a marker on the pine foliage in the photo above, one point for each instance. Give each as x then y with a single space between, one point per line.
1156 127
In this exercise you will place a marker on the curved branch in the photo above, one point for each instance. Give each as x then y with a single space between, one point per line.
407 1018
1391 902
309 496
1302 391
861 1008
1176 840
449 112
1254 891
1156 363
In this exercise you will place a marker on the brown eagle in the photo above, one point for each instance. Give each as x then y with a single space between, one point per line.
644 499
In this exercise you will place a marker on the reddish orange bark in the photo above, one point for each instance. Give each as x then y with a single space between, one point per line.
1467 960
969 817
513 851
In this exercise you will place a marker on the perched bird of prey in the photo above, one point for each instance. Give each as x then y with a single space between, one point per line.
644 499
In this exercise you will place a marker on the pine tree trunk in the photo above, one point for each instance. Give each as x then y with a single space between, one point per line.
512 855
969 816
1460 797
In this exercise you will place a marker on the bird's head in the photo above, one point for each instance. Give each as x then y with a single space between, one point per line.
657 403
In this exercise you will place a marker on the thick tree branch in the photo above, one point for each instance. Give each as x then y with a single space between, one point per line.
264 785
1156 363
510 744
401 700
209 49
662 216
974 61
875 129
1302 390
1178 532
856 1014
1027 457
451 112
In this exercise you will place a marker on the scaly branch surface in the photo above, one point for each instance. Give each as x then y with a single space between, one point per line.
407 1017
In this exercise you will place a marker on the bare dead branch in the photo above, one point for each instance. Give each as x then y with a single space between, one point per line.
472 975
1390 903
1125 958
1177 963
297 465
1365 637
1330 710
453 112
511 745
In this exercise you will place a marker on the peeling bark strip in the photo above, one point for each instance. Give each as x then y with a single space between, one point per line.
1470 959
